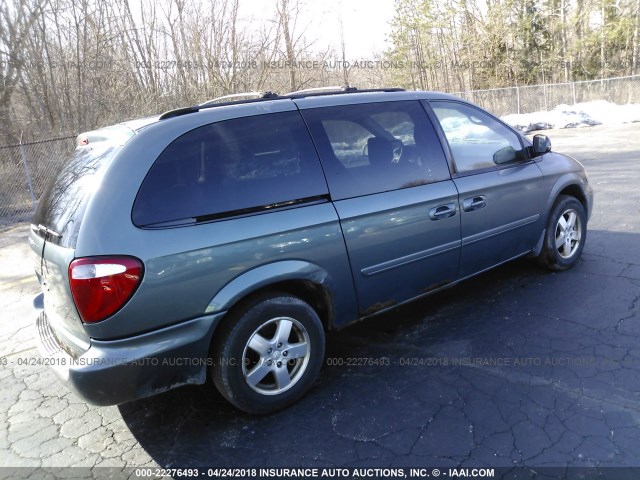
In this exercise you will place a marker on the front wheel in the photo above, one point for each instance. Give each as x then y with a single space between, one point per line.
268 353
566 234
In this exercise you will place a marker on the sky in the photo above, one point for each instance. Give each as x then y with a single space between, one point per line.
365 23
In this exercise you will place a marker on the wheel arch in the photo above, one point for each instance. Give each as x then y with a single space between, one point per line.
550 255
574 190
307 281
570 185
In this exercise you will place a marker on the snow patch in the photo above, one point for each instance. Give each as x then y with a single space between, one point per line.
599 112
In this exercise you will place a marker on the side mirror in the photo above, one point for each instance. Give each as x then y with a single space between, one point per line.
541 144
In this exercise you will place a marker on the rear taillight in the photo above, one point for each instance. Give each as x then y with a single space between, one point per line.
102 285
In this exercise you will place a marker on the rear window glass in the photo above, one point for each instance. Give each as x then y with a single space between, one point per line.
231 167
63 203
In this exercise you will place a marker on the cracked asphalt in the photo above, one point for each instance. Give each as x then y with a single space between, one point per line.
517 367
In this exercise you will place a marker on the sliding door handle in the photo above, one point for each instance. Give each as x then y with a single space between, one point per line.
474 203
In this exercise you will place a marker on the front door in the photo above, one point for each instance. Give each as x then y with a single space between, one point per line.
501 198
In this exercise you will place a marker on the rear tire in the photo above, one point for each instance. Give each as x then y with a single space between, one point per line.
566 234
268 353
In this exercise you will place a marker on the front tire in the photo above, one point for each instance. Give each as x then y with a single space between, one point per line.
268 353
566 234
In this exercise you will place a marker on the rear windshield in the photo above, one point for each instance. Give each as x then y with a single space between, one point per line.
63 203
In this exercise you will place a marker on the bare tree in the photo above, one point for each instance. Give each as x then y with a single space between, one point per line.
636 40
284 15
16 20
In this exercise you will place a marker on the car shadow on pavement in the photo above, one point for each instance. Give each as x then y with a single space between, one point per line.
391 394
196 426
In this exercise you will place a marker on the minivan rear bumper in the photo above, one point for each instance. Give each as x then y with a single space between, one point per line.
119 371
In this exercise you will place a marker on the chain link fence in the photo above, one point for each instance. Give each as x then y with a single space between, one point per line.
536 98
25 171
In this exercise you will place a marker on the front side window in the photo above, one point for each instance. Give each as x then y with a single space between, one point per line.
231 167
378 147
477 141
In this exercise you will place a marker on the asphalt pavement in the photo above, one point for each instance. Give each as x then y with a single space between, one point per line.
517 367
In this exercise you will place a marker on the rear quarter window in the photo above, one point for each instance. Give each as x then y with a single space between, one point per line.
238 166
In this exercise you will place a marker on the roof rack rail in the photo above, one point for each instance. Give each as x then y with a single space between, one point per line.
232 96
261 97
212 103
312 92
332 89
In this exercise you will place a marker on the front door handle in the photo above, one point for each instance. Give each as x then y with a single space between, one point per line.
474 203
443 211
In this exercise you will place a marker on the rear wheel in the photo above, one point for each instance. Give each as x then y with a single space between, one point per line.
268 353
566 234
